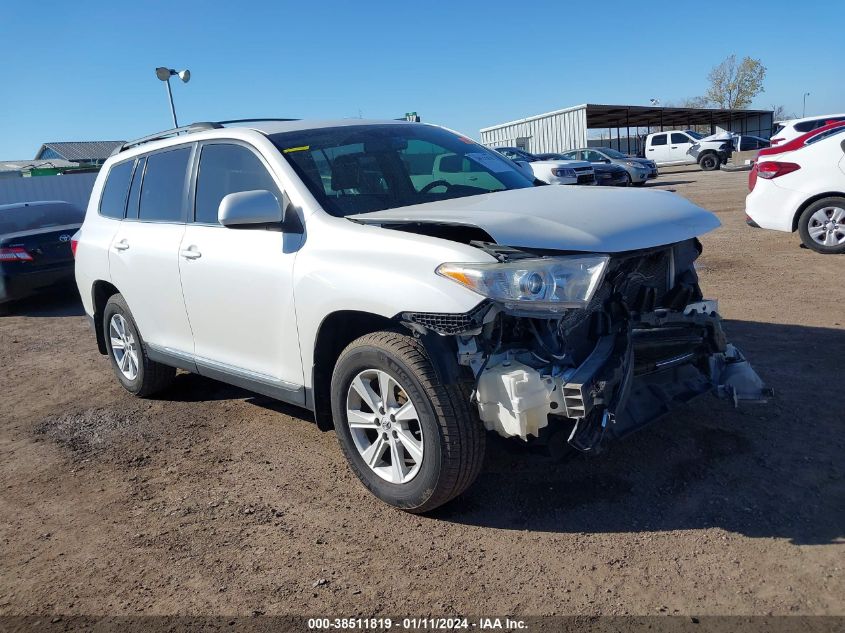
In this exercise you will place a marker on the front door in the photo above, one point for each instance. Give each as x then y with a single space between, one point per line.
679 145
237 282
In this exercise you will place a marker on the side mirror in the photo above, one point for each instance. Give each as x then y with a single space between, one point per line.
605 160
251 208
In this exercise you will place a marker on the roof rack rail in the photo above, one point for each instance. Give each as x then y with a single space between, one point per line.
254 120
185 129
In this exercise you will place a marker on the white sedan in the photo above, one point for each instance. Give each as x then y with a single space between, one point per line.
803 190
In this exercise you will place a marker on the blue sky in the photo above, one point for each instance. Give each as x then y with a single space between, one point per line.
85 71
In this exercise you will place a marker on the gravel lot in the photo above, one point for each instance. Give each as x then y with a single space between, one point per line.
211 500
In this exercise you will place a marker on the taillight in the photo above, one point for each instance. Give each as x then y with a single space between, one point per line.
774 169
775 141
15 254
73 244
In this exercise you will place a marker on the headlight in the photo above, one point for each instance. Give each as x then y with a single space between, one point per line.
631 163
565 172
548 284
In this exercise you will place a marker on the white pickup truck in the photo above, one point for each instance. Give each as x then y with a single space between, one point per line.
686 147
553 172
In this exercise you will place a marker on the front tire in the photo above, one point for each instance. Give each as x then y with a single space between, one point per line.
709 162
822 226
412 440
138 374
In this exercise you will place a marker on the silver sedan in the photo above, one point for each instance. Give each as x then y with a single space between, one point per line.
639 169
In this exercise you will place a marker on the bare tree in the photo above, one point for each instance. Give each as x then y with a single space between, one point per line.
734 85
781 113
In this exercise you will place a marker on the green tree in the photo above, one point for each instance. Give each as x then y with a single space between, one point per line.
734 85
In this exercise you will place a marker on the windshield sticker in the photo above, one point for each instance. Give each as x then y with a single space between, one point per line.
494 164
302 148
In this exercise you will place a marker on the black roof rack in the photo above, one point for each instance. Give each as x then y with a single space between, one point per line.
187 129
222 123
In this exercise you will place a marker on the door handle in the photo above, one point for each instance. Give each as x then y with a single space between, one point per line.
651 150
122 245
674 147
190 253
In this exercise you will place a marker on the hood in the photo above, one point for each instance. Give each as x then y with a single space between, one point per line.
719 136
562 163
589 219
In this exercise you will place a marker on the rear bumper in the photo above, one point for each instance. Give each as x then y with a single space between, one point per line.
20 286
771 206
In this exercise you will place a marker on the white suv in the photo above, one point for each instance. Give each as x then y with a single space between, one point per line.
342 267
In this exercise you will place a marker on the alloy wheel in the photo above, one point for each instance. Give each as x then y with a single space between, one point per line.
124 348
827 226
385 426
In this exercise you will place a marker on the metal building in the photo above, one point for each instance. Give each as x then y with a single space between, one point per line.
568 128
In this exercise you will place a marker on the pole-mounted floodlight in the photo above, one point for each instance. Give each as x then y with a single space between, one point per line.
804 109
164 74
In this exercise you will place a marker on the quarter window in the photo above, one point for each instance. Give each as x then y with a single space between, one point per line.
162 194
225 169
113 200
660 139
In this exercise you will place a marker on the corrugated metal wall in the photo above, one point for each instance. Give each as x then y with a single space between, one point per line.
73 188
552 132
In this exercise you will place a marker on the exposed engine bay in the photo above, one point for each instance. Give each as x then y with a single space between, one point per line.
646 342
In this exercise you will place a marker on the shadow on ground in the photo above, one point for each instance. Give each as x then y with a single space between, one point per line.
772 470
60 302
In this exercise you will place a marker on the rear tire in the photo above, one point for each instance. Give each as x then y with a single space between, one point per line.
822 226
709 162
139 375
440 442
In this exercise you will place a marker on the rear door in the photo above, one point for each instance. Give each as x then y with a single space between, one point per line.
658 148
144 253
237 282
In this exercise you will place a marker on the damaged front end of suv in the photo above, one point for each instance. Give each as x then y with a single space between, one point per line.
592 345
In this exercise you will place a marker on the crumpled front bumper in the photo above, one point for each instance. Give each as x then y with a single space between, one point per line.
628 380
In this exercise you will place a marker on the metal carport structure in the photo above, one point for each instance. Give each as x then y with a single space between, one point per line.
568 128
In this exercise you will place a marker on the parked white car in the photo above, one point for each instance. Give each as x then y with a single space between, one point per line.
553 172
332 265
686 147
785 131
803 190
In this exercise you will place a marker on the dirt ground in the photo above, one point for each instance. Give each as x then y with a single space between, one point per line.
211 500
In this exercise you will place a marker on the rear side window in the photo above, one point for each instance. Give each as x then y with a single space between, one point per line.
660 139
225 169
113 200
162 193
680 138
826 134
135 189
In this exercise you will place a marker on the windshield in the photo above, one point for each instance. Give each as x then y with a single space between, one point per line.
694 134
363 168
612 153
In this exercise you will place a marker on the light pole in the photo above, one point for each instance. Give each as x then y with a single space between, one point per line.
164 74
804 109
